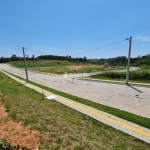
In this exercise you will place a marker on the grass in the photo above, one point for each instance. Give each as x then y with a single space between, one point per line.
143 121
46 63
69 69
138 76
61 67
61 127
118 81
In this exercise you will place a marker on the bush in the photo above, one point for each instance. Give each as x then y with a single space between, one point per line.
111 75
145 67
144 75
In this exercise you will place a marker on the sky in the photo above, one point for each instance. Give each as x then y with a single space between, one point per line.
73 27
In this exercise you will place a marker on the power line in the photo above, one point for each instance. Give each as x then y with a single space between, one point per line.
99 47
36 51
82 52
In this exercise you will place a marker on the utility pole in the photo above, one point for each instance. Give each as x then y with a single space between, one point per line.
25 65
128 65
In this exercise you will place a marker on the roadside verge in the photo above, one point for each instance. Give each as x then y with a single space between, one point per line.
120 124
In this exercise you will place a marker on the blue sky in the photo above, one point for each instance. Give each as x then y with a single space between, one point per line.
70 27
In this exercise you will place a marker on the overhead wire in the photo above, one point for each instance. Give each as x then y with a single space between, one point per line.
36 51
99 47
84 51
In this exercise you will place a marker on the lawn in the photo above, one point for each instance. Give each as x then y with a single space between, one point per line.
61 127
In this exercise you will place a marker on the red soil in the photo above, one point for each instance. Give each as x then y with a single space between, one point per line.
19 135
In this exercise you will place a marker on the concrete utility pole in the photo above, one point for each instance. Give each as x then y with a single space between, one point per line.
129 54
25 65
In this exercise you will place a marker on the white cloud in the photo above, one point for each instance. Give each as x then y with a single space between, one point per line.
143 38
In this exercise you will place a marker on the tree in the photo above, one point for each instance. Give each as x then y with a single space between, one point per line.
84 59
14 56
69 58
32 57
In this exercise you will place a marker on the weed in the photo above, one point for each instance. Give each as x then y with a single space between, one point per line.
26 122
13 115
4 143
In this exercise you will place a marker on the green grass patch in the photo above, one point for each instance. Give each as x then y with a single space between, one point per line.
60 126
46 63
143 75
143 121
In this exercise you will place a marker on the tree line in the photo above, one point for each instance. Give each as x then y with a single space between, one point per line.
43 57
116 61
122 61
68 58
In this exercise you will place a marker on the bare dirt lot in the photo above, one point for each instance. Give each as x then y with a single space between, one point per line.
132 99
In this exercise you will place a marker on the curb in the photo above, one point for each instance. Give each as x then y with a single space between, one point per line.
113 81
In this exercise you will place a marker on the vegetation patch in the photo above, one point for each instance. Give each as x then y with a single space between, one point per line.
61 127
143 121
143 75
60 67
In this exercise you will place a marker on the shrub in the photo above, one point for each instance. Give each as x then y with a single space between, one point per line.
144 75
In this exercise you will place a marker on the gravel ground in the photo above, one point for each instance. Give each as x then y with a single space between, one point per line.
115 95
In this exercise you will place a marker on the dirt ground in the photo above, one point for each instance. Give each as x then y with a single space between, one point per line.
19 136
2 111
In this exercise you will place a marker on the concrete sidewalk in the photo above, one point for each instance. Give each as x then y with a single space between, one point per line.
120 124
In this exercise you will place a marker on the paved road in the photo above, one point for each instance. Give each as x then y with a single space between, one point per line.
119 96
